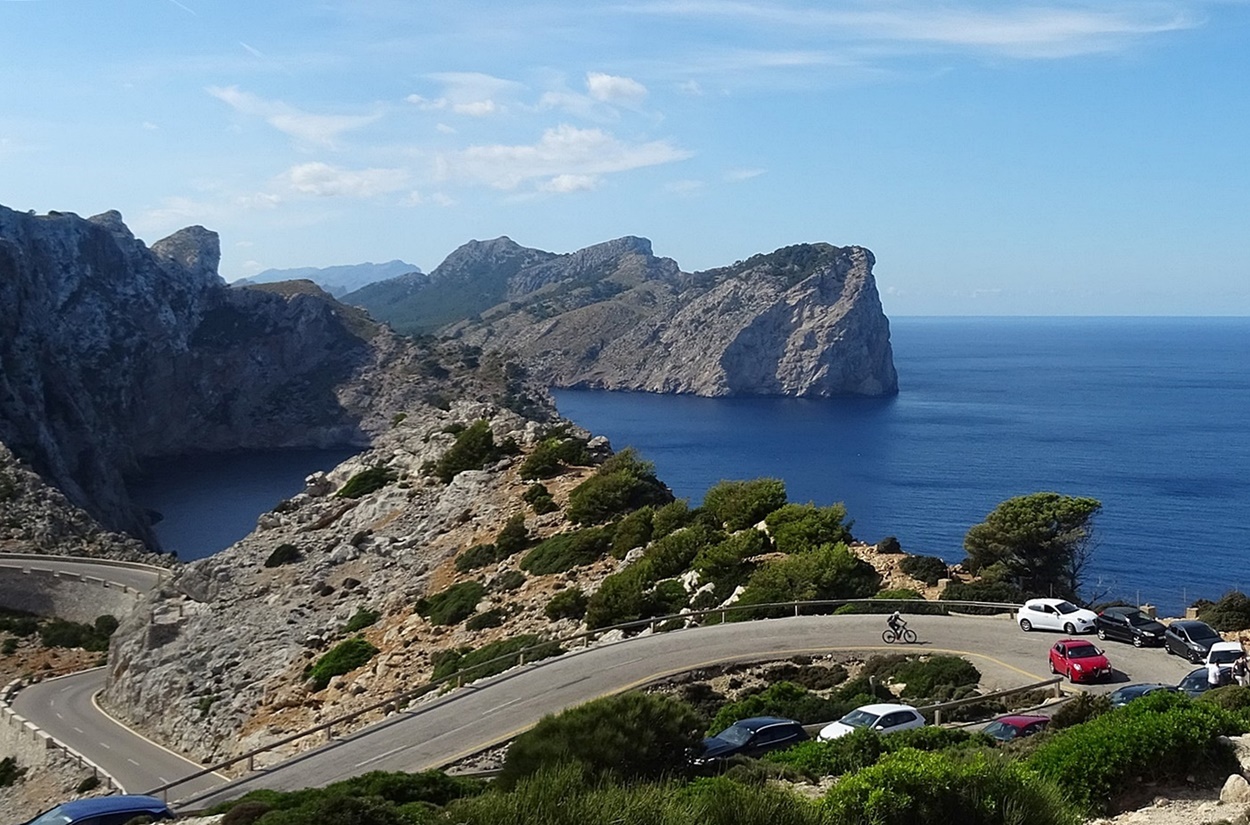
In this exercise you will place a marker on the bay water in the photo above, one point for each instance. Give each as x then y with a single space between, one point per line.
1151 416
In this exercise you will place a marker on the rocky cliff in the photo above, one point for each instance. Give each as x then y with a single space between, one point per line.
802 321
112 352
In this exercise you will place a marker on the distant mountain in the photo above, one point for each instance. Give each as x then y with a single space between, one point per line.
336 280
804 320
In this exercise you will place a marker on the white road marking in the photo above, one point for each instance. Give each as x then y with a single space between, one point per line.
133 762
502 706
58 715
105 745
381 756
78 730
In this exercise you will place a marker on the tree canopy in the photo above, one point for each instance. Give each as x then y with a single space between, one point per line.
1040 542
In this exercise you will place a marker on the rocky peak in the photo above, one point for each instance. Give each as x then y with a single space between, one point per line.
195 250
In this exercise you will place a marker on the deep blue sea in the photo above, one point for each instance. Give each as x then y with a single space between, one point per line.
1151 416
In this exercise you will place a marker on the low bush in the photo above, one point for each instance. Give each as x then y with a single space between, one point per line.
828 572
361 619
344 657
779 699
481 621
565 551
670 517
799 527
453 605
909 787
10 771
246 812
622 597
928 569
1079 710
368 480
479 663
622 484
62 633
400 798
552 454
513 538
567 604
1229 697
725 564
940 678
474 448
479 555
890 546
283 554
740 504
863 748
632 531
979 591
507 580
1160 738
1230 613
628 737
539 498
18 622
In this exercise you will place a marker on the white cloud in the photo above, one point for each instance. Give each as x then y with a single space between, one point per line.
737 175
564 184
690 87
321 130
563 151
445 129
150 126
684 187
623 91
478 108
325 181
469 93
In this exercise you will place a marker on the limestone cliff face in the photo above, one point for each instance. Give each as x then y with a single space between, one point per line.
802 321
112 352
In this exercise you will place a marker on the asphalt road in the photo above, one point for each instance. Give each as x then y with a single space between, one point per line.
137 577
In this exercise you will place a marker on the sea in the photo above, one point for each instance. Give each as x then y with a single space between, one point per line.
1151 416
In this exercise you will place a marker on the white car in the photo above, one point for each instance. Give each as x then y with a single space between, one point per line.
1055 614
1225 653
884 718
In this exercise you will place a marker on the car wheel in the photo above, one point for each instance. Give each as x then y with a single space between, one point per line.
1052 666
1070 679
1167 647
1026 625
1137 641
1195 657
1069 628
1102 634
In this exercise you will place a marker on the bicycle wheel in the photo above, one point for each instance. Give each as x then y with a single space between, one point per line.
909 636
888 637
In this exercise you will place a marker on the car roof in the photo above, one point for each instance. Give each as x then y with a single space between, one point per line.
1189 624
1121 609
886 707
757 722
117 803
1046 600
1021 720
1226 646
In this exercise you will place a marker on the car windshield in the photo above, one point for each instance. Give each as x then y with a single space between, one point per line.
1203 632
53 817
1225 657
735 735
1082 651
1066 607
1140 620
1001 731
860 719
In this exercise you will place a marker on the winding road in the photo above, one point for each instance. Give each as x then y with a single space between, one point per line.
444 729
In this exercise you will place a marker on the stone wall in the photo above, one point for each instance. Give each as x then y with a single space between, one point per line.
71 596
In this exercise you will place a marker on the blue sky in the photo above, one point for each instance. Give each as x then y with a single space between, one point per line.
1088 158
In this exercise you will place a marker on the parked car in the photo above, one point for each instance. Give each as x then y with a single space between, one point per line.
753 737
1007 728
1055 614
1195 683
1079 660
1225 653
1128 624
1191 639
1122 696
104 810
883 718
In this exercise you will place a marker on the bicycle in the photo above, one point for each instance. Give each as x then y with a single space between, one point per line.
906 636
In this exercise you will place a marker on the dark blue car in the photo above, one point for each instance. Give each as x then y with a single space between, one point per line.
104 810
753 737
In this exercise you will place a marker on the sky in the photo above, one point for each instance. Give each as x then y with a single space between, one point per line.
1055 157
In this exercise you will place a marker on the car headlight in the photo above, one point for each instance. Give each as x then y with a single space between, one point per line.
1077 666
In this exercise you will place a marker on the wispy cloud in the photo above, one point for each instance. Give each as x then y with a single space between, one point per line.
1036 30
319 130
469 93
326 181
565 159
739 175
624 91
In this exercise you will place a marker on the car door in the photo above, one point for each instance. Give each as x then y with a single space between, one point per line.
1059 658
1118 627
770 738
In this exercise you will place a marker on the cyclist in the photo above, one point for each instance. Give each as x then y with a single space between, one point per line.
896 623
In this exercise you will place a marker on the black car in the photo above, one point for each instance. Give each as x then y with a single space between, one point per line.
1128 624
1191 639
1195 683
753 737
1122 696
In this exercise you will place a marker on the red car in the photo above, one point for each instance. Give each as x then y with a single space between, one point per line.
1006 728
1079 660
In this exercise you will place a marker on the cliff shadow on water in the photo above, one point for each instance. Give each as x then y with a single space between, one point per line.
201 504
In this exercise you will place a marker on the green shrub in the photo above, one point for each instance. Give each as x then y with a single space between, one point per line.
779 699
622 484
980 591
344 657
508 580
474 448
19 623
928 569
246 812
9 646
1229 614
670 517
909 787
539 498
453 605
367 481
889 545
361 619
828 572
62 633
1229 697
725 564
799 527
552 454
565 551
862 748
473 663
940 678
10 771
673 554
622 597
628 736
1162 737
1079 709
567 604
481 621
88 784
479 555
283 554
513 538
632 531
741 504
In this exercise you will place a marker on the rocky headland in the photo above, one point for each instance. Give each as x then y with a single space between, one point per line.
803 321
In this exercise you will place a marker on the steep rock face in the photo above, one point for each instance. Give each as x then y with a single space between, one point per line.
803 321
111 352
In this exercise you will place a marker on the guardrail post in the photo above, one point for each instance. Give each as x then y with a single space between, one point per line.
329 733
937 716
796 610
251 762
520 658
1058 690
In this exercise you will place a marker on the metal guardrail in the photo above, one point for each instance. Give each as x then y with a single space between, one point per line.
161 572
399 701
